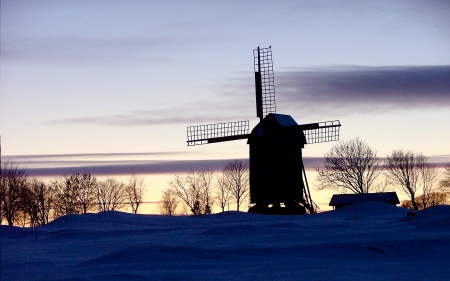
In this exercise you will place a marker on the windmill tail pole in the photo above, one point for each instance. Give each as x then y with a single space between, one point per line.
309 204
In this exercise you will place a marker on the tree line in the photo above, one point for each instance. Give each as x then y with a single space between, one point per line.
354 167
199 191
349 167
29 201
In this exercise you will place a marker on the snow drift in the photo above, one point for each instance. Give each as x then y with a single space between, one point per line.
382 244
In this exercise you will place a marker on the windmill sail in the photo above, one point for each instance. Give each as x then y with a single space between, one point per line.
220 132
321 132
264 82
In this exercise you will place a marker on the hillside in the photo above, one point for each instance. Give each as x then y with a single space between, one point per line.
385 244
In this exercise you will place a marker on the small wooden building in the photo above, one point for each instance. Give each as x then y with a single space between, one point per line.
342 200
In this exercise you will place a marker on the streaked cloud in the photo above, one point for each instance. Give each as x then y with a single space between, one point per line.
133 167
116 164
60 50
120 164
335 90
344 90
127 154
102 33
193 113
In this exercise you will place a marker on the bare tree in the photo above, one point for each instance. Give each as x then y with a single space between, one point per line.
205 179
134 192
37 202
429 179
67 199
87 185
185 191
236 175
350 166
444 184
403 169
194 190
222 192
169 203
110 195
12 182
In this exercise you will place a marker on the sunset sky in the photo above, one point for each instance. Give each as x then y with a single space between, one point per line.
123 79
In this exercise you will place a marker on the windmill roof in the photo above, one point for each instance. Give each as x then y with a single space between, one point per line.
347 199
285 120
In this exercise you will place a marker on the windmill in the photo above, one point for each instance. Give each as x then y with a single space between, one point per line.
278 183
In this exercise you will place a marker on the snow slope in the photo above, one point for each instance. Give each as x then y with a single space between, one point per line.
384 245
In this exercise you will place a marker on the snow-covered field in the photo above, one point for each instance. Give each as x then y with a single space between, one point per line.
384 245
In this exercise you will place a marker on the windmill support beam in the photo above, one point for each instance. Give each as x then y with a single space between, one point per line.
229 138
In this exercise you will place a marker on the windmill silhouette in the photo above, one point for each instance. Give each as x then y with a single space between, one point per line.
278 183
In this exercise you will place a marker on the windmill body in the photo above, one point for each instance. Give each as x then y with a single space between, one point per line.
276 164
278 183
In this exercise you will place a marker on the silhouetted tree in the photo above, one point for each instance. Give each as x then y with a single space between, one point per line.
67 197
205 179
134 192
37 202
169 203
87 185
194 190
428 181
403 170
12 183
185 190
235 173
350 166
222 192
110 195
444 184
74 194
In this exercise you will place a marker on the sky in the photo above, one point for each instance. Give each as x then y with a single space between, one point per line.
121 80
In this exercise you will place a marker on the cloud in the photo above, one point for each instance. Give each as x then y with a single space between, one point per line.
133 167
120 164
102 33
201 112
104 164
335 90
41 158
365 89
110 164
435 11
131 119
63 50
142 167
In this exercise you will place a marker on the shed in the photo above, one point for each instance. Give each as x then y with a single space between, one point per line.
342 200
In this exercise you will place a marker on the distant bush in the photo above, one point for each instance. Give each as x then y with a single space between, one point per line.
434 198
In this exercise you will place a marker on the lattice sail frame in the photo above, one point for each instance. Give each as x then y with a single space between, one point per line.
263 66
322 132
203 134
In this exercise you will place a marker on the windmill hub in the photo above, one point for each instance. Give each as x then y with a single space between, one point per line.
278 183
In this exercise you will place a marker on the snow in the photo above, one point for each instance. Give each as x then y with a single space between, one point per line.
384 244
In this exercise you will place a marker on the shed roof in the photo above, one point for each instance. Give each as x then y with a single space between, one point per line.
347 199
